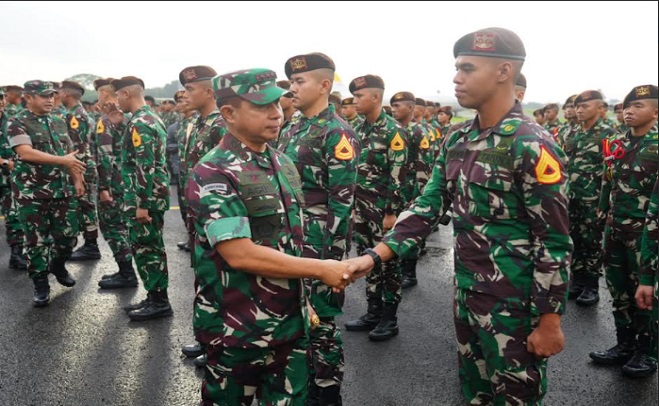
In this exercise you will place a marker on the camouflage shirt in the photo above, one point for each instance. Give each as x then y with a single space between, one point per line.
13 109
80 127
356 121
553 128
585 161
565 132
206 134
143 162
649 270
5 150
235 192
109 139
182 136
507 188
627 185
46 134
381 161
421 158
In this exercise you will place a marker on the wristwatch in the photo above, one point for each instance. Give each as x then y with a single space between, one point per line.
376 258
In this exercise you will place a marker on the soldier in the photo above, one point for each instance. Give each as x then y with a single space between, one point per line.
13 97
113 221
444 116
420 160
585 153
349 113
151 102
571 123
146 181
58 108
80 126
325 151
539 115
169 116
42 189
335 101
250 307
504 177
378 199
286 102
604 115
632 165
552 123
7 205
620 126
520 88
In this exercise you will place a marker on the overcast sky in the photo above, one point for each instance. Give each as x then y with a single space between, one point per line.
570 46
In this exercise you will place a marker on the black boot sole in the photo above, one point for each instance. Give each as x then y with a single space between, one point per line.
368 327
158 315
68 284
381 338
40 303
111 287
607 361
85 258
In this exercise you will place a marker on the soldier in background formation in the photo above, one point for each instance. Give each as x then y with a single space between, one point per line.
13 97
620 125
349 113
570 125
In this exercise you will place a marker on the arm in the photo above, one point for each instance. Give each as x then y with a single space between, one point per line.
145 140
396 160
29 154
105 162
649 257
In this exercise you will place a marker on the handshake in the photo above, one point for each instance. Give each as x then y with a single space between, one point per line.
339 274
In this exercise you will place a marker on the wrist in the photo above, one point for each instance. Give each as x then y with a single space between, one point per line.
550 320
377 260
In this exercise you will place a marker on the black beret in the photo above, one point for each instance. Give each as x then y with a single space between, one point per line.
402 96
13 88
125 81
98 83
196 74
538 112
551 106
588 95
494 42
334 99
569 101
618 106
68 84
308 62
641 93
284 84
348 101
387 109
420 102
178 95
438 104
150 98
365 82
521 81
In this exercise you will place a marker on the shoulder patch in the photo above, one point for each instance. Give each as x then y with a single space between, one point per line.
344 150
397 143
137 138
548 169
424 143
100 128
74 123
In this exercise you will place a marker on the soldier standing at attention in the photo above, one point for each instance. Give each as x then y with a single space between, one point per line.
251 307
505 179
586 158
80 126
520 88
552 123
112 219
7 205
620 125
13 97
146 181
571 123
349 113
43 190
286 102
325 152
378 200
632 164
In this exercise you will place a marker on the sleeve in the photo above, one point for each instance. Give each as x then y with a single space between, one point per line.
215 207
650 241
17 134
145 140
396 161
342 157
544 182
605 192
106 158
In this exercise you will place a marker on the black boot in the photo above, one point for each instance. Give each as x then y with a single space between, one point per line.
200 361
139 305
590 294
313 391
157 307
87 252
388 326
193 350
125 278
621 353
409 273
576 287
329 396
184 245
61 274
41 291
368 321
16 259
639 366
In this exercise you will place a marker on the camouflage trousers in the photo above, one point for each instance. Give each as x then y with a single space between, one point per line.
112 221
622 256
493 364
382 283
325 353
149 251
182 203
12 224
88 217
586 231
276 376
51 227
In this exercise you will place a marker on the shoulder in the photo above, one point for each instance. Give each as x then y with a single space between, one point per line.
338 126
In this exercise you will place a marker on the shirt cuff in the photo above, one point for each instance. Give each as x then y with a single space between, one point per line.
228 228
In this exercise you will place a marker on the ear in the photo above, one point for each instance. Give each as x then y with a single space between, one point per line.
326 85
505 72
229 113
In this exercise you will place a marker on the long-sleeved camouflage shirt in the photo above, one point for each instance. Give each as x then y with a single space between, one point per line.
206 134
109 138
233 193
144 163
649 271
80 126
46 134
507 188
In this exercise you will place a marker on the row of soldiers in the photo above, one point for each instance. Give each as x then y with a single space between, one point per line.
231 189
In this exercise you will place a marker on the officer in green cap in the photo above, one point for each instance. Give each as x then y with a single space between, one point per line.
46 176
504 178
252 307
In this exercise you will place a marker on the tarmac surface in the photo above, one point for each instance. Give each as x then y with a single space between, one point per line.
83 350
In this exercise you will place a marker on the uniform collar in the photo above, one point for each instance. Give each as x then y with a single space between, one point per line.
230 143
506 127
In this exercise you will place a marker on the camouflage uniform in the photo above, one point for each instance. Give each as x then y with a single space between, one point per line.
80 127
356 121
146 181
13 109
244 319
325 151
506 186
380 191
626 191
43 192
584 151
566 132
61 112
649 271
112 219
184 131
553 128
169 118
7 206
